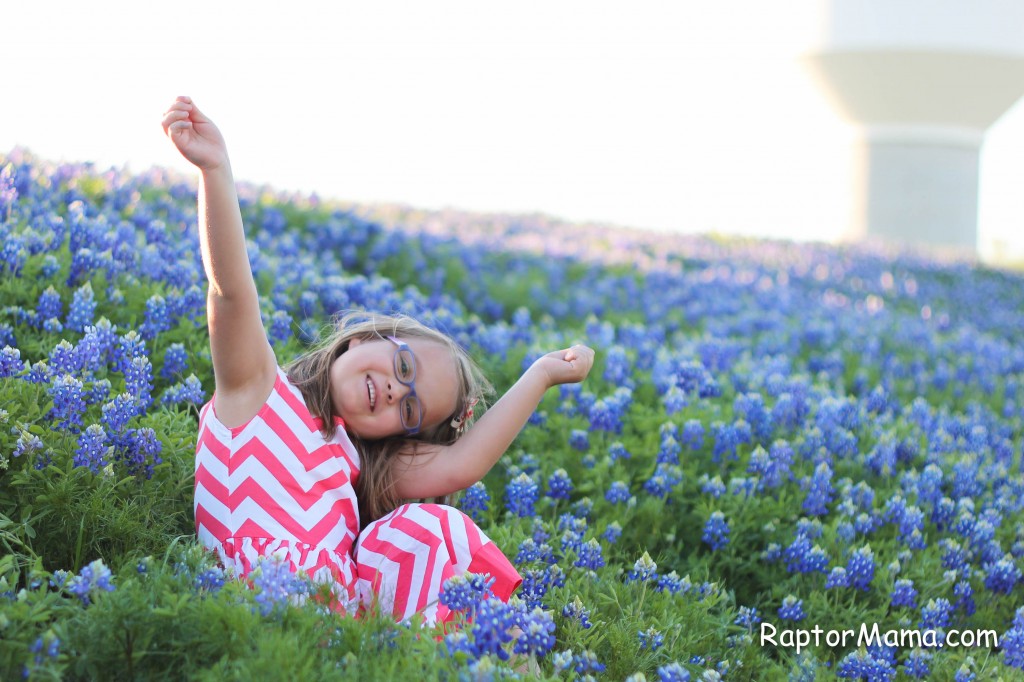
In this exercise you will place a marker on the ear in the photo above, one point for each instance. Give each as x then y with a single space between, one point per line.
354 342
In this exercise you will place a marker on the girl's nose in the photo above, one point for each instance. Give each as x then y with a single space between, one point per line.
396 393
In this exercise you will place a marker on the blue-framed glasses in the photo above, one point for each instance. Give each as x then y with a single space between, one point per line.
409 408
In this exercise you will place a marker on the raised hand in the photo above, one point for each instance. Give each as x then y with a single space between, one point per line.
568 366
195 135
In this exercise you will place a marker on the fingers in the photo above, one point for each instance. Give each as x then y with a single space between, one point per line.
176 118
183 109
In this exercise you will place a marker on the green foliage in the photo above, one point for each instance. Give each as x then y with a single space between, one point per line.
162 622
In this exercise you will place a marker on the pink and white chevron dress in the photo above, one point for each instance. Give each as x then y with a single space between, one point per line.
275 486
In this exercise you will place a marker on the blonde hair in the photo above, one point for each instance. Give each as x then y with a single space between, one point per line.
310 372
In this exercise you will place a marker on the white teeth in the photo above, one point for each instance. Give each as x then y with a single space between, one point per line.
373 392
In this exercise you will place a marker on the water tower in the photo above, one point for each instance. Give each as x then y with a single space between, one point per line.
923 79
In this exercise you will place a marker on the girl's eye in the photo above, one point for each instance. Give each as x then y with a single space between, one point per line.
405 366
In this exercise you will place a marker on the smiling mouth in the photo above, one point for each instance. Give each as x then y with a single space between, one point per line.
371 392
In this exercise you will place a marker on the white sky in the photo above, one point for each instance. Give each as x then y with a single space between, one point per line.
693 116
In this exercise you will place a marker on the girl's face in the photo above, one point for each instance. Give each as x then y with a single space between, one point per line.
366 393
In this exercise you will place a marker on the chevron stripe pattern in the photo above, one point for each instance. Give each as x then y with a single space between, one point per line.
405 557
274 486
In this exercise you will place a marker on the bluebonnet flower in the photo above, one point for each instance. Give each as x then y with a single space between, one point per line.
100 340
964 674
83 309
860 568
91 580
68 401
27 443
618 492
13 254
532 551
837 578
668 452
280 327
466 592
792 609
157 317
11 363
475 501
175 361
935 615
538 628
8 191
582 508
62 359
586 662
575 610
747 617
617 369
45 648
49 306
140 452
712 486
609 414
643 570
540 534
802 557
276 585
521 496
903 594
559 485
918 664
673 584
965 597
491 630
129 347
210 580
693 434
954 557
189 391
820 491
673 672
117 413
1012 641
716 531
92 452
865 524
589 556
911 525
860 665
664 478
618 451
1003 575
138 378
812 528
50 266
674 400
750 407
728 437
562 660
651 638
612 533
579 440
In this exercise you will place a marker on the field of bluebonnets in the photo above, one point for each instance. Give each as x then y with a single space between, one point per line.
773 434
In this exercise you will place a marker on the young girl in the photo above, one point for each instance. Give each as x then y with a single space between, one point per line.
310 463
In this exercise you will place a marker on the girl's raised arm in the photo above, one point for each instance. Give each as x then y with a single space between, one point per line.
437 470
244 365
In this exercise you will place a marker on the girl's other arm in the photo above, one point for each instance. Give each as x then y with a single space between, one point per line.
244 365
438 470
